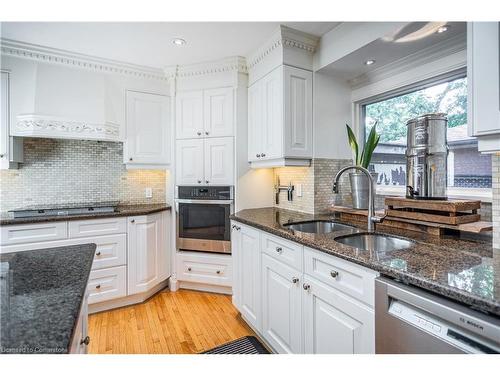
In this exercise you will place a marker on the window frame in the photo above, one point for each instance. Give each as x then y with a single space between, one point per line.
484 194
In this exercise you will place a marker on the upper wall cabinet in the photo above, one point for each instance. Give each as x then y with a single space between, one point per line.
280 118
205 113
148 141
483 65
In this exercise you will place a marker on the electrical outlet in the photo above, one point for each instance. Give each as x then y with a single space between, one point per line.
299 190
148 192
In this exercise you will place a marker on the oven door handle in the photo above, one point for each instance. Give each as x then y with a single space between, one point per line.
207 201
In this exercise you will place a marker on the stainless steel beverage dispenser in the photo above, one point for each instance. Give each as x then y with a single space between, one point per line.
426 157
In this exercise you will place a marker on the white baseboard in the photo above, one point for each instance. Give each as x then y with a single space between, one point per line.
205 287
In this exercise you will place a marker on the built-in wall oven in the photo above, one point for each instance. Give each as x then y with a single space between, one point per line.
203 218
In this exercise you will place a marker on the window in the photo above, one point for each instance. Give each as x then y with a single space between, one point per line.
467 168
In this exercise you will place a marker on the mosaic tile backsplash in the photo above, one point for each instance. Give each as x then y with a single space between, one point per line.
64 171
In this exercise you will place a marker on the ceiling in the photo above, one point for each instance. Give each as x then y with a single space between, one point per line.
387 50
150 43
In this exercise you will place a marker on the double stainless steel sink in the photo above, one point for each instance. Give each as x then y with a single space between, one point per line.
362 241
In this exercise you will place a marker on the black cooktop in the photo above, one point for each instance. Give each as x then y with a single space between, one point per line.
65 209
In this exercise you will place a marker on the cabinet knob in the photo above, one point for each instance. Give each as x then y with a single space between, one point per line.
199 181
306 286
98 253
279 250
85 341
132 221
218 272
206 133
295 280
189 269
258 155
130 159
199 133
206 181
98 286
2 155
262 155
334 274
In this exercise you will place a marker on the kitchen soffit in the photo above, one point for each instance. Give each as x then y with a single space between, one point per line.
150 43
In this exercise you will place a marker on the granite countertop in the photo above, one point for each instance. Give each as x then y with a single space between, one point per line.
465 269
6 218
41 296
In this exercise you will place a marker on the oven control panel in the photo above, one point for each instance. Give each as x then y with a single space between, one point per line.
204 192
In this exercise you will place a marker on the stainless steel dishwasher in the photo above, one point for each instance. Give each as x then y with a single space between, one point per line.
410 320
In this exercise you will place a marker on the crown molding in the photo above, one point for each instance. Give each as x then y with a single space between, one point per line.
284 37
43 54
424 56
34 125
230 64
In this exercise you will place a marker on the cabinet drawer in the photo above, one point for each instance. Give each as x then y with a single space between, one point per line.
15 234
214 270
111 251
106 284
283 250
97 227
353 280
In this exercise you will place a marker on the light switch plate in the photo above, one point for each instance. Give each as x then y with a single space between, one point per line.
148 192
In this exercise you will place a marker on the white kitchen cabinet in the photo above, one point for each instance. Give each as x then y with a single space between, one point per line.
148 140
247 265
219 161
218 112
280 118
189 114
483 80
11 148
189 162
146 248
335 323
107 284
207 161
281 306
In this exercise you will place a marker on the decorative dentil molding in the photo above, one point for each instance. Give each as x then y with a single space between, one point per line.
231 64
56 127
285 37
57 56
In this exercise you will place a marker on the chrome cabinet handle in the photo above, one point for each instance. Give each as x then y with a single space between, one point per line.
189 269
98 253
279 250
263 155
334 274
130 159
206 133
238 228
2 155
295 280
199 133
218 272
98 286
207 182
199 181
306 286
132 221
258 155
85 341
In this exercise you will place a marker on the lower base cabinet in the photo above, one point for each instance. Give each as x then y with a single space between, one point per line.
281 314
295 312
334 323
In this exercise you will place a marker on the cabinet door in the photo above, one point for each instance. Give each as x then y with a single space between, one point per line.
255 121
189 114
219 161
281 306
218 112
145 242
298 112
189 162
335 323
272 126
164 255
249 274
483 43
148 129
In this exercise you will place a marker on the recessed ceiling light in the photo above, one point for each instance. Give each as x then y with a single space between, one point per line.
369 62
442 29
179 41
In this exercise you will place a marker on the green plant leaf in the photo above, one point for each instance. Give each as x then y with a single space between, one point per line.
353 143
371 144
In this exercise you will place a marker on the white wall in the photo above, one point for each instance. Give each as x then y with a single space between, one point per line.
331 111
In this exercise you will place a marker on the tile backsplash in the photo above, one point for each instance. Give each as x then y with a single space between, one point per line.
63 171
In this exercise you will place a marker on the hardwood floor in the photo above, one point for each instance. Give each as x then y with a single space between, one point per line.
183 322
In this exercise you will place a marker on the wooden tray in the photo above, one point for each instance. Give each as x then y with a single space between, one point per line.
452 212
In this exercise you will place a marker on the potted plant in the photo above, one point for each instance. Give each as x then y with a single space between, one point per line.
359 181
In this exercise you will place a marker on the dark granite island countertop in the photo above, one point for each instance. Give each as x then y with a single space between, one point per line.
41 296
6 218
464 269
